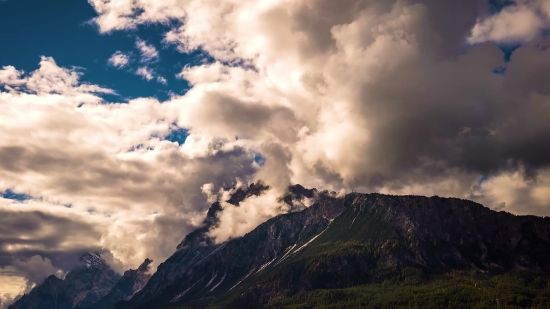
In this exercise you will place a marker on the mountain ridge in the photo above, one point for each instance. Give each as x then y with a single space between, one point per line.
383 233
340 241
82 286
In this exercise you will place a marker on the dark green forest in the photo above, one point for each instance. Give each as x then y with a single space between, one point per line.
413 289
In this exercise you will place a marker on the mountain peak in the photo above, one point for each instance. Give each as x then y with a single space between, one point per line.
94 261
82 286
254 189
145 266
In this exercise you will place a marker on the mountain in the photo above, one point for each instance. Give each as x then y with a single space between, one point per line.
92 285
341 242
129 284
343 251
82 286
196 248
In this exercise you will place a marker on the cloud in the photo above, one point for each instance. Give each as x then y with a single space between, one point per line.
9 75
145 73
36 269
119 59
517 23
149 74
236 221
34 244
11 285
127 14
377 96
162 80
104 172
148 52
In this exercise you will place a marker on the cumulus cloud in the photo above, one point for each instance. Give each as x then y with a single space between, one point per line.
145 72
102 171
236 221
148 52
9 75
12 286
36 269
162 80
367 96
149 74
119 59
516 23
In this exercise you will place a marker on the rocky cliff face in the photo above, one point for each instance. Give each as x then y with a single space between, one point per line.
82 286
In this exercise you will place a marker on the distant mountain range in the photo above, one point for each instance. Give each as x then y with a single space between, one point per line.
339 242
92 285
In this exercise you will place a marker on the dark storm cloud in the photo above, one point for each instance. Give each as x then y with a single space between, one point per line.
443 109
466 117
25 235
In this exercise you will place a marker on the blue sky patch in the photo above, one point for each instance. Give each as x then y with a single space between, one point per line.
508 50
10 195
501 70
481 180
61 29
258 158
496 6
178 136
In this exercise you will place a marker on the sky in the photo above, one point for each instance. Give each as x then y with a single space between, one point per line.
123 120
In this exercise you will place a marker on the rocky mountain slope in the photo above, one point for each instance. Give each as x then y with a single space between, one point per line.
343 241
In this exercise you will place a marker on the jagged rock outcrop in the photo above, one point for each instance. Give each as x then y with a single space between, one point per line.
131 282
82 286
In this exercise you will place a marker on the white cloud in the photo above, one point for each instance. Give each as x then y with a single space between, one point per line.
339 96
162 80
517 23
149 74
148 52
145 72
109 162
236 221
11 286
119 59
9 75
125 14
